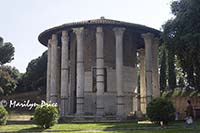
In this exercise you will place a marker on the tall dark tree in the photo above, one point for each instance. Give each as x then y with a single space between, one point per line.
171 67
8 75
183 31
6 52
163 68
35 76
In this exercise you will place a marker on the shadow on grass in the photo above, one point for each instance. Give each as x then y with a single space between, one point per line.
25 130
130 126
175 127
32 129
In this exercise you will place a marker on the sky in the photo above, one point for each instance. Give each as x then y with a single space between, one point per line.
21 21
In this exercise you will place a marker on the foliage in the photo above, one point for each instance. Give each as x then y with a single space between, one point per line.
7 83
181 82
3 115
180 92
35 76
166 93
171 67
183 34
13 72
160 109
177 92
46 115
163 68
9 77
6 52
193 93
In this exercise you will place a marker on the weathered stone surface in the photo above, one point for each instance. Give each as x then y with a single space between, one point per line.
100 76
64 90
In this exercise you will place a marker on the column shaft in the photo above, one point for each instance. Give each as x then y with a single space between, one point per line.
48 72
148 39
64 74
119 70
99 71
54 68
80 71
58 71
142 81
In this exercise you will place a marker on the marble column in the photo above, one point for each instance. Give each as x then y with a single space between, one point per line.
80 72
64 74
142 81
58 80
99 71
48 72
54 68
148 39
119 70
156 88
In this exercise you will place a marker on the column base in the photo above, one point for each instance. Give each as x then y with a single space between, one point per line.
64 111
120 111
139 114
120 106
54 99
79 106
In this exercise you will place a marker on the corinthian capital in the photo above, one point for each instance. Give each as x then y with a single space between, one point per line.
148 36
65 36
119 31
54 39
78 31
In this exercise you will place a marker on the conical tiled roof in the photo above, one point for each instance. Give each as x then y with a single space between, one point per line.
44 36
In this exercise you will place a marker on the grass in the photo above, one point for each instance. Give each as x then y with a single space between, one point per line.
177 127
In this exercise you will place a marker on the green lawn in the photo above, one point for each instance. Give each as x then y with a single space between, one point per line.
103 128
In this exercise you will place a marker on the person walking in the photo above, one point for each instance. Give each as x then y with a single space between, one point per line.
189 113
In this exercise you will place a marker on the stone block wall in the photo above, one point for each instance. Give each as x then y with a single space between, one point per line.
129 48
110 97
180 103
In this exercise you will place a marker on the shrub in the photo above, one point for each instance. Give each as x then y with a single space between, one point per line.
46 115
3 115
177 92
160 109
166 94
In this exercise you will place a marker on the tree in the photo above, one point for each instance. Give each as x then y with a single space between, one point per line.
183 31
163 68
35 76
7 83
6 52
171 67
8 75
12 71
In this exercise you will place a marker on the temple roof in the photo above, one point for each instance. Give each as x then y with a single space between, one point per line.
44 36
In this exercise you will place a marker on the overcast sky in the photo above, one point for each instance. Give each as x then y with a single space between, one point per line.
21 21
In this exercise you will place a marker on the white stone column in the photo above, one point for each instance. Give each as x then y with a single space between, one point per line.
48 71
119 70
156 88
80 71
142 81
148 39
64 74
54 68
99 71
58 79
